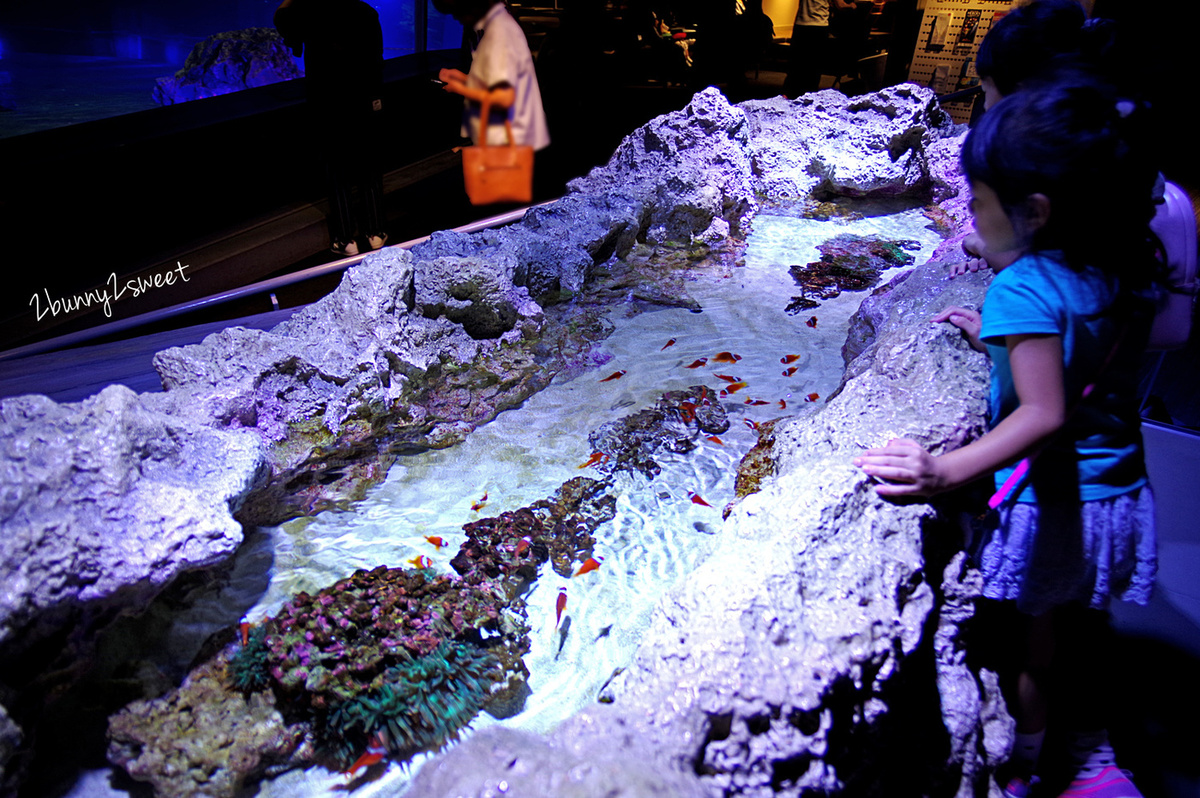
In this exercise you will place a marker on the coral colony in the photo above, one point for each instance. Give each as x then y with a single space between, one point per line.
382 654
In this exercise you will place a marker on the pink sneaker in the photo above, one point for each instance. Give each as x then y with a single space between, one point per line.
1018 787
1111 782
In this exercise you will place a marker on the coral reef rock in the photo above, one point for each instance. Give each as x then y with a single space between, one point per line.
689 169
848 263
873 145
105 502
673 424
228 62
357 372
203 738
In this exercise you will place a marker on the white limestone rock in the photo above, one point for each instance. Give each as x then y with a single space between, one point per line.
874 145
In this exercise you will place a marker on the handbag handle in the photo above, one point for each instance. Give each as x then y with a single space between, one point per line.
485 115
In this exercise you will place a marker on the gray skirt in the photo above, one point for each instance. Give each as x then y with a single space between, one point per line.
1041 556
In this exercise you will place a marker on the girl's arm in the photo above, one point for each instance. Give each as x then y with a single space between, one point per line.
1037 369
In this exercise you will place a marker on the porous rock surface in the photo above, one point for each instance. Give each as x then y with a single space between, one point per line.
825 143
106 501
229 62
202 738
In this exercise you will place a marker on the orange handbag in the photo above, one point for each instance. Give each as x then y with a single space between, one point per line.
497 173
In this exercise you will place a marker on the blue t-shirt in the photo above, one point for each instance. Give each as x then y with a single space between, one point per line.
1098 454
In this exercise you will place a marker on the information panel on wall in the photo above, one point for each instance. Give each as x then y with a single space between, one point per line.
944 57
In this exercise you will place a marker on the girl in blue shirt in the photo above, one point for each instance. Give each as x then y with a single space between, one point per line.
1061 204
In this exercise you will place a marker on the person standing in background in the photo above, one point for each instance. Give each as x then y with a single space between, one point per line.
809 45
342 45
501 72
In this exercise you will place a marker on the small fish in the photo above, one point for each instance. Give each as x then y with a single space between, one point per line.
695 497
374 754
812 397
726 357
616 375
420 561
597 457
477 506
697 363
783 404
734 387
668 343
687 412
756 402
789 359
435 541
726 377
562 635
790 371
522 546
244 626
590 564
715 440
751 423
812 321
560 604
604 631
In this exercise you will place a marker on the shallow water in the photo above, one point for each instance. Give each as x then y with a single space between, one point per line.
659 535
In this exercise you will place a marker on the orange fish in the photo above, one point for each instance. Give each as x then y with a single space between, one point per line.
695 497
522 546
697 363
726 357
783 404
374 754
560 604
616 375
420 561
734 387
597 457
812 322
812 397
789 359
590 564
435 541
726 377
751 423
789 371
756 402
715 440
244 626
477 506
668 343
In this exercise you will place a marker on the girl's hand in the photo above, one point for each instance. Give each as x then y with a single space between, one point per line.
908 470
965 319
968 265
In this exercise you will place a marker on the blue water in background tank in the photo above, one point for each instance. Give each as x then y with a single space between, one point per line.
78 60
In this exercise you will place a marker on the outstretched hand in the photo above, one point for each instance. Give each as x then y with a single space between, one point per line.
903 469
965 319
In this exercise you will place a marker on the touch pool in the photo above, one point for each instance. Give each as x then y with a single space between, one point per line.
659 535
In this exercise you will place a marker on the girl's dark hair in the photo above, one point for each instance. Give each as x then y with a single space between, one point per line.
1075 142
1025 42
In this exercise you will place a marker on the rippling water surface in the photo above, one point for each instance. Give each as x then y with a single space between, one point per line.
658 536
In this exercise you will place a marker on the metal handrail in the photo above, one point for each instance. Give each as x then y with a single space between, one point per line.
80 336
